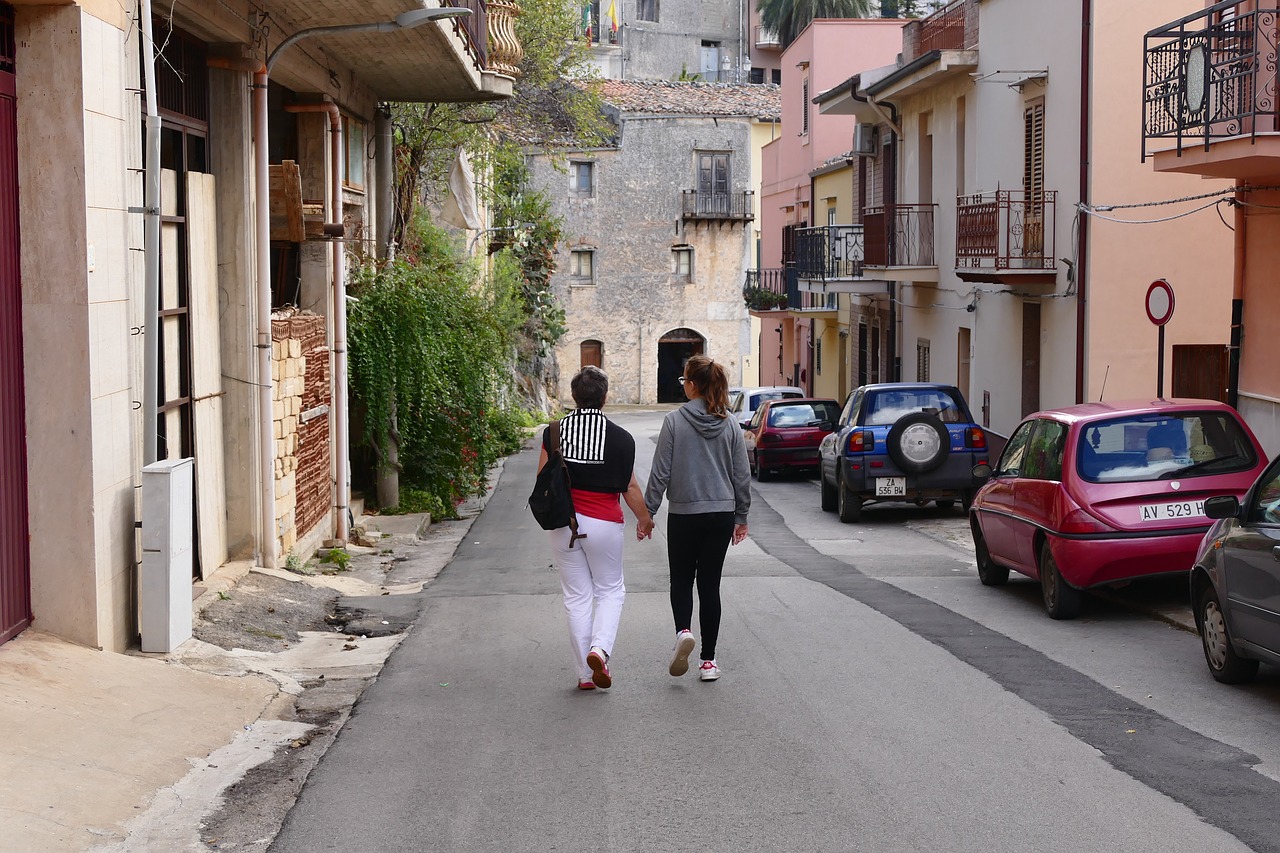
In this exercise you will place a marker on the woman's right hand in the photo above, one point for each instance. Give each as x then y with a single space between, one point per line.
644 529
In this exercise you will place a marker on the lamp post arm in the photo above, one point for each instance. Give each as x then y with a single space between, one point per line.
383 27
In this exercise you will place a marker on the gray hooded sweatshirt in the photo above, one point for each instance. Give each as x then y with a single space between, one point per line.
700 464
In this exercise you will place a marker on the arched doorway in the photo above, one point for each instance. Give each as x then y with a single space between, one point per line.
674 349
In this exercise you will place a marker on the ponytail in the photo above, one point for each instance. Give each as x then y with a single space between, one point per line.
712 384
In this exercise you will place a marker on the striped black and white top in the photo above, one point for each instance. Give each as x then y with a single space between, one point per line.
582 436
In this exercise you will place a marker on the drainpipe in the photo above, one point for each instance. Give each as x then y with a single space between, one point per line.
1082 266
262 228
384 164
1237 301
151 249
336 230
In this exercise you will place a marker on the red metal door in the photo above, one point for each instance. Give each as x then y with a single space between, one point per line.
15 579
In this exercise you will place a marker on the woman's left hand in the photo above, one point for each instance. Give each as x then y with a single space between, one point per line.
739 533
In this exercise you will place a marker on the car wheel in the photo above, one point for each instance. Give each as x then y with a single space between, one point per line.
762 473
848 505
966 500
1061 600
918 443
1224 664
829 498
946 504
988 572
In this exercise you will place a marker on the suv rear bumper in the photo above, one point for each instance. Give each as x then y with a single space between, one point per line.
953 479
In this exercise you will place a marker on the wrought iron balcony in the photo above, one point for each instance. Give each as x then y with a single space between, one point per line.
1211 75
899 235
944 29
723 206
1009 231
765 290
829 252
779 288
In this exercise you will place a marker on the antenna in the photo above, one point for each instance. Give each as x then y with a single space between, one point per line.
1104 383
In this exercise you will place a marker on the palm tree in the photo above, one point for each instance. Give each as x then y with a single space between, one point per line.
788 18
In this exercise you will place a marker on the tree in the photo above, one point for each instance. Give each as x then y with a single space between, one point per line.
788 18
910 8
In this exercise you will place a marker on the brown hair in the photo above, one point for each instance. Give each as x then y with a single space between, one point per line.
589 387
712 383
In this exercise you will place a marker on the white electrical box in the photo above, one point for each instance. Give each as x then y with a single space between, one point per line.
864 139
164 588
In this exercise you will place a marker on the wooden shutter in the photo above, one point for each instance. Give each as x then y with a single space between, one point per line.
1033 156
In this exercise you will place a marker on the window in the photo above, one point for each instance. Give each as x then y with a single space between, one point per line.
804 117
1143 448
1044 451
647 10
582 178
757 75
817 356
1265 508
887 406
1010 464
831 215
682 262
777 76
353 140
922 360
1033 178
582 265
713 183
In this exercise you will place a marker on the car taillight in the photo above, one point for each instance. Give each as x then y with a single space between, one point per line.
1079 521
976 438
862 441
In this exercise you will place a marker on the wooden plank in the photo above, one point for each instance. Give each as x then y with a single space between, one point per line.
286 203
206 373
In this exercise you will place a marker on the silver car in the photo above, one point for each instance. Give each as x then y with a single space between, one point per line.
743 402
1235 582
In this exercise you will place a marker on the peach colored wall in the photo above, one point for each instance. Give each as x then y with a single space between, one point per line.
1195 253
1260 349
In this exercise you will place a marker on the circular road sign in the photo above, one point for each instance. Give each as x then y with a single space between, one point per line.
1160 302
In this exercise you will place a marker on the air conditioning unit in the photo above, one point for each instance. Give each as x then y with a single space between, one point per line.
864 139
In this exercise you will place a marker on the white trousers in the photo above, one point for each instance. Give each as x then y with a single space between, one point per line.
591 577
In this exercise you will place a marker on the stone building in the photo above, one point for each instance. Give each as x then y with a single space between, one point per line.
659 233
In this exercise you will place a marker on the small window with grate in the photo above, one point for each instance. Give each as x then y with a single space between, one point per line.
922 360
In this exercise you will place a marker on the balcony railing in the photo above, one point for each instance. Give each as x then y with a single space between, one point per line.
734 206
765 289
1006 230
775 289
829 252
766 37
1212 75
944 29
899 235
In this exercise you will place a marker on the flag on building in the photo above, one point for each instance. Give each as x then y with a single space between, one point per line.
613 16
586 21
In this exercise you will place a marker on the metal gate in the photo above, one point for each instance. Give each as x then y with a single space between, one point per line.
15 574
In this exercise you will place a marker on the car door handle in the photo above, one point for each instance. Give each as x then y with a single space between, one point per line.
1275 552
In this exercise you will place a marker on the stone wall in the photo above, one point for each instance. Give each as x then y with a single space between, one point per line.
300 408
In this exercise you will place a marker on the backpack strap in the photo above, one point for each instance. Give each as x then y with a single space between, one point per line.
574 535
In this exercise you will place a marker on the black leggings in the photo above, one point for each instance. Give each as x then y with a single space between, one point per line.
696 545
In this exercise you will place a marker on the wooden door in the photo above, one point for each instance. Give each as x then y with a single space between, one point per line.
1030 357
1200 371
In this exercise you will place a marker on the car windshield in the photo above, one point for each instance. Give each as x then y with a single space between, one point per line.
1162 446
802 414
887 406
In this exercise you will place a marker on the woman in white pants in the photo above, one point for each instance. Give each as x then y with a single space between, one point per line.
600 456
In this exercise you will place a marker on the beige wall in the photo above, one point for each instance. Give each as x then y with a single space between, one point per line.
1195 253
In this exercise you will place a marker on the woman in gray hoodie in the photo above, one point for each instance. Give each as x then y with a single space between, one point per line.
701 467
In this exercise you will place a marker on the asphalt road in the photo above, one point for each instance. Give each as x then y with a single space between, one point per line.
875 698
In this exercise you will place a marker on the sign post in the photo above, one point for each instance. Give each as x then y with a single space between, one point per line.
1159 312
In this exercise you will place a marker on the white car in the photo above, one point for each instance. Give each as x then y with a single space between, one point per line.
743 402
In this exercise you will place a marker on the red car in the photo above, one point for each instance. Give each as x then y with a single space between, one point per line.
1099 493
785 434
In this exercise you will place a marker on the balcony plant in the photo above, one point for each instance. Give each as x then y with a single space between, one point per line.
759 299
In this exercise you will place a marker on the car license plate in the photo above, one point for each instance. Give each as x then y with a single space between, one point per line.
893 487
1172 512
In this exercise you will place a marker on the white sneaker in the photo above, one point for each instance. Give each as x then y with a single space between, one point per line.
708 671
680 656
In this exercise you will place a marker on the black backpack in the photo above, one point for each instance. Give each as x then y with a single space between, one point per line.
550 500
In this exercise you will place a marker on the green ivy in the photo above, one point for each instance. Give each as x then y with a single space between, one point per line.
760 299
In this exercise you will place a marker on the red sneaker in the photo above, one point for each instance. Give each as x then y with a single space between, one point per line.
598 660
586 684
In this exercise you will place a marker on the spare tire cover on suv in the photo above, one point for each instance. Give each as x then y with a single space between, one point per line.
918 442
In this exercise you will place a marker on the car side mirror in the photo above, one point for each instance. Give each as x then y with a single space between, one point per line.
827 426
1223 506
745 424
982 472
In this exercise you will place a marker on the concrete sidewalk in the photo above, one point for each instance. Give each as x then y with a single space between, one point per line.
129 752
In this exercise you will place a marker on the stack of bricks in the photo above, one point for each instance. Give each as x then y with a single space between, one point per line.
314 478
299 363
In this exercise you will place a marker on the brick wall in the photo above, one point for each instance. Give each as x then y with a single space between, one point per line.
300 401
